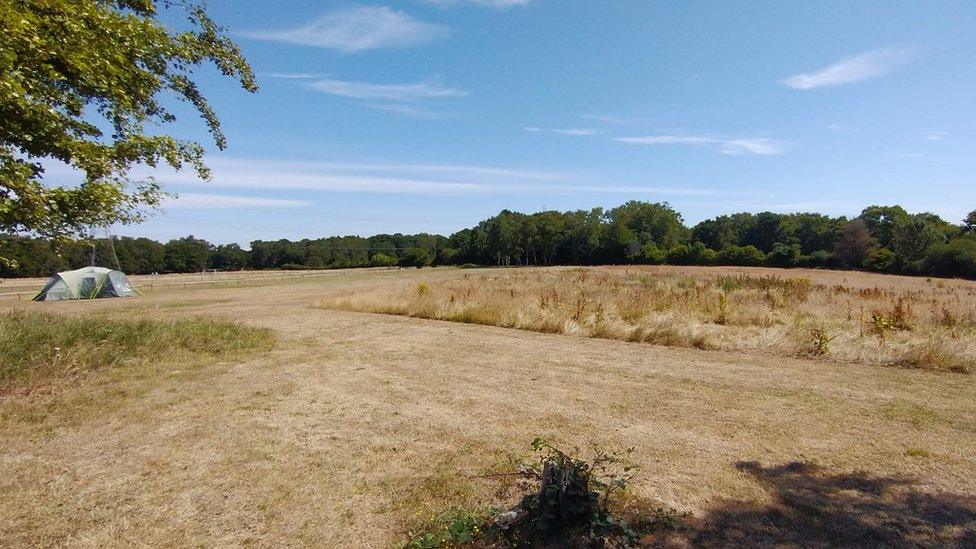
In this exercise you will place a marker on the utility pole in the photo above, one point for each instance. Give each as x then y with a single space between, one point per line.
111 246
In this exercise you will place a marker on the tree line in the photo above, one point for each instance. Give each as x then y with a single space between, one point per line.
882 238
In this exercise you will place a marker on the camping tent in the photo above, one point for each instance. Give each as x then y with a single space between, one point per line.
86 283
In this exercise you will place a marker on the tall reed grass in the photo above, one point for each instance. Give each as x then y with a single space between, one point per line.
932 328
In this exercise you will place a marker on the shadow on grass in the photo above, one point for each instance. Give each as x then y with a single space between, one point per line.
813 508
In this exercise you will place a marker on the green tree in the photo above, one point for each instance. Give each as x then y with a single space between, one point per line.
783 255
816 232
228 257
769 229
382 260
969 224
746 256
636 224
912 238
881 259
881 221
186 255
84 82
416 257
956 258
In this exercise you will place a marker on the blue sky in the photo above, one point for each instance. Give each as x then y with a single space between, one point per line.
430 115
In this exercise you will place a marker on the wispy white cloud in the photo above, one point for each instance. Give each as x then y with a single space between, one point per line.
396 179
290 75
935 136
408 110
921 156
870 64
223 201
385 92
575 132
608 119
309 178
489 3
578 131
724 145
357 29
756 205
401 99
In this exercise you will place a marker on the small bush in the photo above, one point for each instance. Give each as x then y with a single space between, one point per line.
416 257
957 258
572 502
882 260
783 255
382 260
745 256
819 258
696 254
653 255
819 344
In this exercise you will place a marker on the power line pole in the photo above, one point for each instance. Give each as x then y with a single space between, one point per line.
111 246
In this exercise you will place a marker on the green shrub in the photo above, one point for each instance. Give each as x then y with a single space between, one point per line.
746 256
819 258
572 503
956 258
653 255
696 254
881 260
783 255
574 498
416 257
382 260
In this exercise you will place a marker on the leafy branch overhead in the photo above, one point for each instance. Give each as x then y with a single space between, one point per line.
80 83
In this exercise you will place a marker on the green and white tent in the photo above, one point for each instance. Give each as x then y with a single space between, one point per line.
86 283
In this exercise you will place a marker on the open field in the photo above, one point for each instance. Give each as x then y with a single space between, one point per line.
356 426
26 288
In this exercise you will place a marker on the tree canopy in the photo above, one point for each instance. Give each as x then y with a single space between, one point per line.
80 82
633 233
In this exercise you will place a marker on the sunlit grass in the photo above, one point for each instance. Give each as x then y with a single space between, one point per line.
929 328
45 348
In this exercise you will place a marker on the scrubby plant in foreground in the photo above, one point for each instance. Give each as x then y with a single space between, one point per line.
574 496
570 502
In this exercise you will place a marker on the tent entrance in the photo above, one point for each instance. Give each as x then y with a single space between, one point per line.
88 288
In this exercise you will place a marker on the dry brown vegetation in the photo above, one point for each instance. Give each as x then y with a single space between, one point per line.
355 429
930 326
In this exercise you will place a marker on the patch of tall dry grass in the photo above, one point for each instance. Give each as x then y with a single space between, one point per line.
932 327
37 348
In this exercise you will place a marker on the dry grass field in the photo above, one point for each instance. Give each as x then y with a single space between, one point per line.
353 428
929 324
